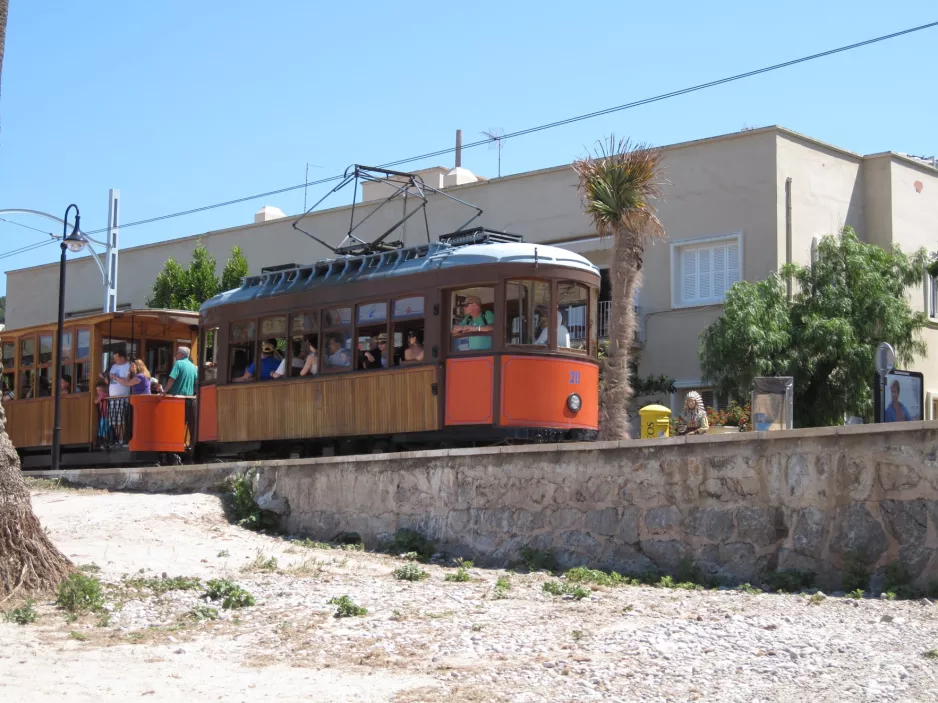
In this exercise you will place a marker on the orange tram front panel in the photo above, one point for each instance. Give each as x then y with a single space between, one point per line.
535 392
159 424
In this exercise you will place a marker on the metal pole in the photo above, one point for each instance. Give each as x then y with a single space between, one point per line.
110 255
57 412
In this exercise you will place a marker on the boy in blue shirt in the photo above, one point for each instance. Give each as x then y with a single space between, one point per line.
269 363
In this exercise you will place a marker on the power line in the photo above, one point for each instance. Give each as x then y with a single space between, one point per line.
549 125
20 224
29 247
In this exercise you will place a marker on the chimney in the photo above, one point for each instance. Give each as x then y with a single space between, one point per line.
458 148
268 213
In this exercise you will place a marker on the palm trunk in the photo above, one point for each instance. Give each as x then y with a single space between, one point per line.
29 562
4 12
625 277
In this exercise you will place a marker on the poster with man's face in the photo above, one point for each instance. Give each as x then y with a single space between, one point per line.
903 398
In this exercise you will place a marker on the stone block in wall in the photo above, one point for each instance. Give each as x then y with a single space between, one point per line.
760 525
565 518
602 522
854 478
860 533
665 554
625 560
662 518
907 522
893 477
810 533
735 562
798 475
713 523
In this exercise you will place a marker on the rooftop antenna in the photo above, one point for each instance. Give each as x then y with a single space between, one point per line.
496 135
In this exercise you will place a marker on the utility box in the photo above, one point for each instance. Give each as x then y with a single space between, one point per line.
656 421
773 403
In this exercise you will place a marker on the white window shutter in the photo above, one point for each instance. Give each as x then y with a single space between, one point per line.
732 264
689 275
705 271
719 272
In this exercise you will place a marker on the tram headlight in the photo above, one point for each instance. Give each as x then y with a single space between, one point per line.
574 402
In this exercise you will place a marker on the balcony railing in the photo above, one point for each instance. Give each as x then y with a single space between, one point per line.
604 309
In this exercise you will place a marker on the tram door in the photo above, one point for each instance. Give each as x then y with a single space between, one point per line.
160 359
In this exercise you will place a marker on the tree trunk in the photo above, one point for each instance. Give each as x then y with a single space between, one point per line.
29 562
625 277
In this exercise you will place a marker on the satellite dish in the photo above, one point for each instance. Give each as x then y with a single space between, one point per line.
885 359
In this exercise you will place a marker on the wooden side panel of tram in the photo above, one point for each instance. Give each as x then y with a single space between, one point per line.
378 403
29 422
208 414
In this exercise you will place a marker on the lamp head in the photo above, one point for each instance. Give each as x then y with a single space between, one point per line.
76 241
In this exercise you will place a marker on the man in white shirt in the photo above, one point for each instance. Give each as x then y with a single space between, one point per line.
117 406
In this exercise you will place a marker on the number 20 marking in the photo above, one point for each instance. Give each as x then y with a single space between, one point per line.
575 377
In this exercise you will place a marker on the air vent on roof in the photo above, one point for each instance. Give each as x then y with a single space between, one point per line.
280 267
478 235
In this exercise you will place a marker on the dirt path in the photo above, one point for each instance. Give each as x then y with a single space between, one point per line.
436 639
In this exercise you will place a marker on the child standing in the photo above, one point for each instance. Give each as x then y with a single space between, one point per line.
104 427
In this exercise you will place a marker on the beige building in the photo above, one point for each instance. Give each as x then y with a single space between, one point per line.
738 207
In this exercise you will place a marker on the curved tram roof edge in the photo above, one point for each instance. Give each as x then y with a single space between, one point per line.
400 262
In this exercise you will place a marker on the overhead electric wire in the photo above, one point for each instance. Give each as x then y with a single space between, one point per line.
540 128
20 224
30 247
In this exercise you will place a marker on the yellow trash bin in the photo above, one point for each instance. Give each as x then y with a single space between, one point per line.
656 421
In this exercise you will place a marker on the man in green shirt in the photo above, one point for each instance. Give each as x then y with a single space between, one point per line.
182 377
476 321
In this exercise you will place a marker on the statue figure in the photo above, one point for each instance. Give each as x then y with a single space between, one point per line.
693 418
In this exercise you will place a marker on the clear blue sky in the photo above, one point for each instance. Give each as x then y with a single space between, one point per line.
181 104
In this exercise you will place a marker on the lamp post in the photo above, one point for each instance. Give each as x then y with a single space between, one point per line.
73 242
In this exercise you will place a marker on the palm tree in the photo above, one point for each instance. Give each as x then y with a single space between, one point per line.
29 562
620 183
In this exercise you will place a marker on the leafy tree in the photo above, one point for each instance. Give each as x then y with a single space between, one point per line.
848 302
619 184
177 288
3 309
236 268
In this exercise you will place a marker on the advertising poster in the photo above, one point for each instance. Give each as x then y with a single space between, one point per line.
902 397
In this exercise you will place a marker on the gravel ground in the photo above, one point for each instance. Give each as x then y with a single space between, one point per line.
430 640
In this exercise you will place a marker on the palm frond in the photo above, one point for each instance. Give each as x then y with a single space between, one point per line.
620 184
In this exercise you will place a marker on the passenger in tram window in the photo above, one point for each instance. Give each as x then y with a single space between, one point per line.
182 378
307 362
377 357
337 355
476 320
104 427
269 363
563 334
414 349
45 387
66 384
156 388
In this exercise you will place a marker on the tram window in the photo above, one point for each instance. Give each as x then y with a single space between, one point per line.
273 334
594 316
240 347
27 351
9 371
373 350
209 364
473 318
407 337
573 308
45 348
527 306
67 362
44 387
26 384
304 352
338 351
82 378
337 317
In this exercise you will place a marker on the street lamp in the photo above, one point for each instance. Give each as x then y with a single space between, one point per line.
74 242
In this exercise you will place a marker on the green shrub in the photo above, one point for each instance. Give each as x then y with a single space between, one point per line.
789 580
410 572
855 577
898 581
581 574
79 593
347 608
460 576
931 654
244 508
538 559
688 572
23 615
503 583
557 588
203 612
160 586
90 568
750 589
856 594
407 541
669 582
231 595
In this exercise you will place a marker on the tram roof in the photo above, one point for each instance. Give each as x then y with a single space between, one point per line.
399 262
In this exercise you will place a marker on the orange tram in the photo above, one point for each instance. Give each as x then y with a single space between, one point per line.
478 338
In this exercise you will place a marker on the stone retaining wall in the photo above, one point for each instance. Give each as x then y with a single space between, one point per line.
736 505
